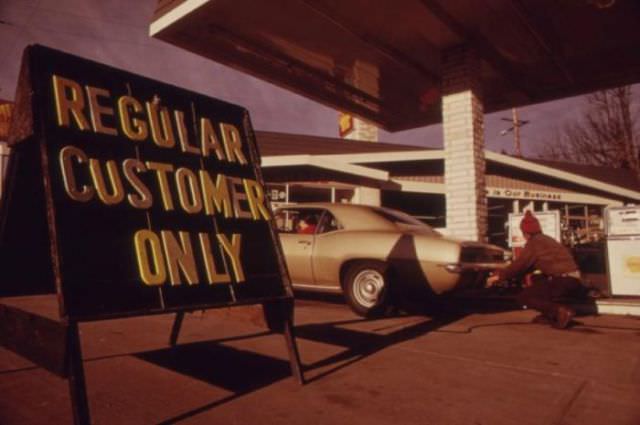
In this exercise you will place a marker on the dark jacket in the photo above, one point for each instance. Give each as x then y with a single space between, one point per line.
543 253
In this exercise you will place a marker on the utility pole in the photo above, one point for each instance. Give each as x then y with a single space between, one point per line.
516 131
515 127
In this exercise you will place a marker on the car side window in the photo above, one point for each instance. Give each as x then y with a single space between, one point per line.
328 223
301 221
286 220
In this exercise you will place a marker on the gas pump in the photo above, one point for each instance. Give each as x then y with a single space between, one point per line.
622 232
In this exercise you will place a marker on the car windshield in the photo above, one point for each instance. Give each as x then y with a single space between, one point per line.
402 219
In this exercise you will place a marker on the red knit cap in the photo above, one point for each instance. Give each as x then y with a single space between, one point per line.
530 224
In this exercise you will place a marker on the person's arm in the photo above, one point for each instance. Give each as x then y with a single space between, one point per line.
521 265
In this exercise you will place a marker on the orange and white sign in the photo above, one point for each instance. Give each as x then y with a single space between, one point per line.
5 119
345 124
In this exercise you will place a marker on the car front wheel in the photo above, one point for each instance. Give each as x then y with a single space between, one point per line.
366 288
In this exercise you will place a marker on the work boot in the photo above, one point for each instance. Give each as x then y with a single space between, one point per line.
563 317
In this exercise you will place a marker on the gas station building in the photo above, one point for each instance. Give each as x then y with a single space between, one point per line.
301 168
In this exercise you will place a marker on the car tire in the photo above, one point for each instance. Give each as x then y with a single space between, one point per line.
366 287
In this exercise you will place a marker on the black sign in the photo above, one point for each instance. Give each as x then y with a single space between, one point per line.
154 199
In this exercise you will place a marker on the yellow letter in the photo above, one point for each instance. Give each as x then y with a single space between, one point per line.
64 104
151 274
237 196
70 185
216 196
133 128
114 179
209 141
232 249
183 135
256 198
143 199
190 198
161 173
179 256
232 143
160 123
212 276
96 110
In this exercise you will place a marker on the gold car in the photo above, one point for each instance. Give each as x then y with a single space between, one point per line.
369 253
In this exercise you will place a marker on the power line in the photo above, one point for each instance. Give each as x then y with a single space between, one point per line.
515 127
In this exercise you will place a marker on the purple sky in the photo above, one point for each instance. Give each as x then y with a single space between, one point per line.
115 32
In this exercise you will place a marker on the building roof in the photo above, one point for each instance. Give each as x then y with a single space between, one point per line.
274 144
383 60
616 176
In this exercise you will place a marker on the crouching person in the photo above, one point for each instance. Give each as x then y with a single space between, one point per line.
559 274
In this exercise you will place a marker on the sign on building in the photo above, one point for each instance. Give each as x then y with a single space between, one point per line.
345 124
6 109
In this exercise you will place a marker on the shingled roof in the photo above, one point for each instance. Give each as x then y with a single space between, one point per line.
621 177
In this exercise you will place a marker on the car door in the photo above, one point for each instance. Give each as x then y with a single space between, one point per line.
326 264
297 243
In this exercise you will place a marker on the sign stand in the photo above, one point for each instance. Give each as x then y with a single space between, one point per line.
175 328
77 385
279 318
128 197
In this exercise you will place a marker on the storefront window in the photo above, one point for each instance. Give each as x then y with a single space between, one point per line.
297 193
498 217
580 223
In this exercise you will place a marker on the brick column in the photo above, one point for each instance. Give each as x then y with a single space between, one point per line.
464 170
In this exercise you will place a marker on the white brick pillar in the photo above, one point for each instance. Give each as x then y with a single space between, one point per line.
463 120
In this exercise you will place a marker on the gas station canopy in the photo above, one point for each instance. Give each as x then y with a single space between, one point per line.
382 60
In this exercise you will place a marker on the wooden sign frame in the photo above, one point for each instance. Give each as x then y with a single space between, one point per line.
128 197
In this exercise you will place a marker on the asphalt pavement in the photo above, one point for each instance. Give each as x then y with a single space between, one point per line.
484 366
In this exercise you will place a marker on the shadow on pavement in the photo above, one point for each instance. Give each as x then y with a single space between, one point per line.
247 371
238 371
243 371
361 344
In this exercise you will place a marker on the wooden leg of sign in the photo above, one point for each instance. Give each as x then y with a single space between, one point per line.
75 370
175 329
294 355
279 317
